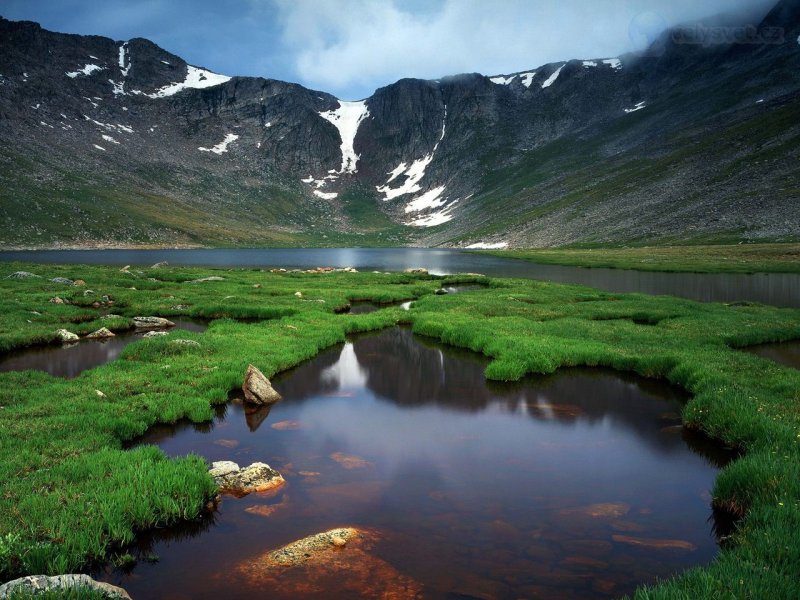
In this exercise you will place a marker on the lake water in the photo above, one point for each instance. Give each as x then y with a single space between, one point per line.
780 289
577 485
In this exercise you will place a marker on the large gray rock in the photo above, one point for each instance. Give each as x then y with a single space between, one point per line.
152 323
35 585
63 280
22 275
212 278
257 388
257 477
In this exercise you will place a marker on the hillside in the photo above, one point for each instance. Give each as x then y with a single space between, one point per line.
106 142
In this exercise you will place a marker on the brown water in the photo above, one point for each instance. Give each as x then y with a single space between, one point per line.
69 360
785 353
560 486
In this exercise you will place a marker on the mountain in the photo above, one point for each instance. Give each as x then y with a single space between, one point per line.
105 142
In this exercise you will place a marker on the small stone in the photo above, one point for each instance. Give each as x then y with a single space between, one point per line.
257 285
125 269
66 336
441 292
298 294
212 278
182 342
338 541
56 300
79 282
152 334
257 477
22 275
99 393
257 388
160 265
101 333
63 280
88 292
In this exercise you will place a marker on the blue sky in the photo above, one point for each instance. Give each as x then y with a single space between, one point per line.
351 47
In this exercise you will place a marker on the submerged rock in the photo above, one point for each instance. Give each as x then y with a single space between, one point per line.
151 323
35 585
66 336
100 334
232 479
257 388
657 544
305 550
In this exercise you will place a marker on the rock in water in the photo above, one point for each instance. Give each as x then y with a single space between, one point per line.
151 323
257 388
34 585
66 336
100 334
258 477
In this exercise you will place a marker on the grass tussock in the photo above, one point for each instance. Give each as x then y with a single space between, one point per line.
71 495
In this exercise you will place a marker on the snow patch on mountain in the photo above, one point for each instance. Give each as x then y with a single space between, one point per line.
488 246
434 219
427 201
108 138
589 63
638 106
346 119
124 62
550 80
196 78
325 195
86 70
614 63
222 146
527 78
501 80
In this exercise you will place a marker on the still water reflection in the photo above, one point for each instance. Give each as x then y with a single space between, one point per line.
781 289
577 485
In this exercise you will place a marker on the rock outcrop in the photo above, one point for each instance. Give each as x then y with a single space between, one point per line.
152 323
35 585
257 388
100 334
238 481
67 336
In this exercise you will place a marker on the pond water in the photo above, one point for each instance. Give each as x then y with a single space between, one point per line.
780 289
785 353
69 360
581 484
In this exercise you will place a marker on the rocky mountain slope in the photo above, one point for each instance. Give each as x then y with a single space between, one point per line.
105 142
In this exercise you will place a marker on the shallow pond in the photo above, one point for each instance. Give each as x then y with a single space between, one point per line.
69 360
581 484
785 353
780 289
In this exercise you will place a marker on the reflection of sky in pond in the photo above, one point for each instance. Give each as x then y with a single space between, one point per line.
488 483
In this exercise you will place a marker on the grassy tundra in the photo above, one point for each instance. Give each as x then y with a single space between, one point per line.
71 495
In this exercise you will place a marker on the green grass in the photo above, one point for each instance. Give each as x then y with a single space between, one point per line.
739 258
71 495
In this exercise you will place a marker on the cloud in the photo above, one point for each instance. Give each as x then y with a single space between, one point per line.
356 45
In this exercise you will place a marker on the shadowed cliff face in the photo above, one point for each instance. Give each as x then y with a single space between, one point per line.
125 142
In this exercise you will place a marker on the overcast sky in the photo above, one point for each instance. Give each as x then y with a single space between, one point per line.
351 47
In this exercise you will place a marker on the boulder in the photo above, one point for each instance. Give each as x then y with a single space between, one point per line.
152 323
66 336
35 585
212 278
100 334
63 280
79 282
56 300
232 479
257 388
441 292
310 548
89 292
22 275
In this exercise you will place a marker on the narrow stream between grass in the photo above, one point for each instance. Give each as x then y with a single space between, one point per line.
70 360
582 484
